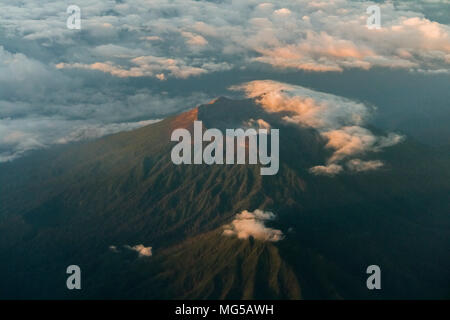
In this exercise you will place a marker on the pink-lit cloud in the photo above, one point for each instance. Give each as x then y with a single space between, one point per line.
339 121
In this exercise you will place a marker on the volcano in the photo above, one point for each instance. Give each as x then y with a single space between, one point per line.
95 204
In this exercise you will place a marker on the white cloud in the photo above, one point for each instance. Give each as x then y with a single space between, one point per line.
314 36
248 224
349 141
88 132
19 136
334 39
257 124
150 66
354 140
303 106
16 143
390 140
282 11
22 76
194 39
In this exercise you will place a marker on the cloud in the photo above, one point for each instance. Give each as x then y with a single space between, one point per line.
335 54
338 120
141 250
335 39
257 124
299 35
329 170
359 165
150 66
40 106
252 224
20 136
81 116
282 11
16 143
23 77
354 140
390 140
349 141
194 39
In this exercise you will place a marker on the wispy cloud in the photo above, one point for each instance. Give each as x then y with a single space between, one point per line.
305 35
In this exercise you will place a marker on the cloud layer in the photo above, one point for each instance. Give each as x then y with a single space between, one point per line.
40 106
182 38
316 36
252 224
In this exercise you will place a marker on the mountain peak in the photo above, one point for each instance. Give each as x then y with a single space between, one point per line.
185 119
219 99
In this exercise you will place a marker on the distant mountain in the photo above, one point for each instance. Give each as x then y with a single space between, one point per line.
90 203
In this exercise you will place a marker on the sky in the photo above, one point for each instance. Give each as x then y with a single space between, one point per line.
134 62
